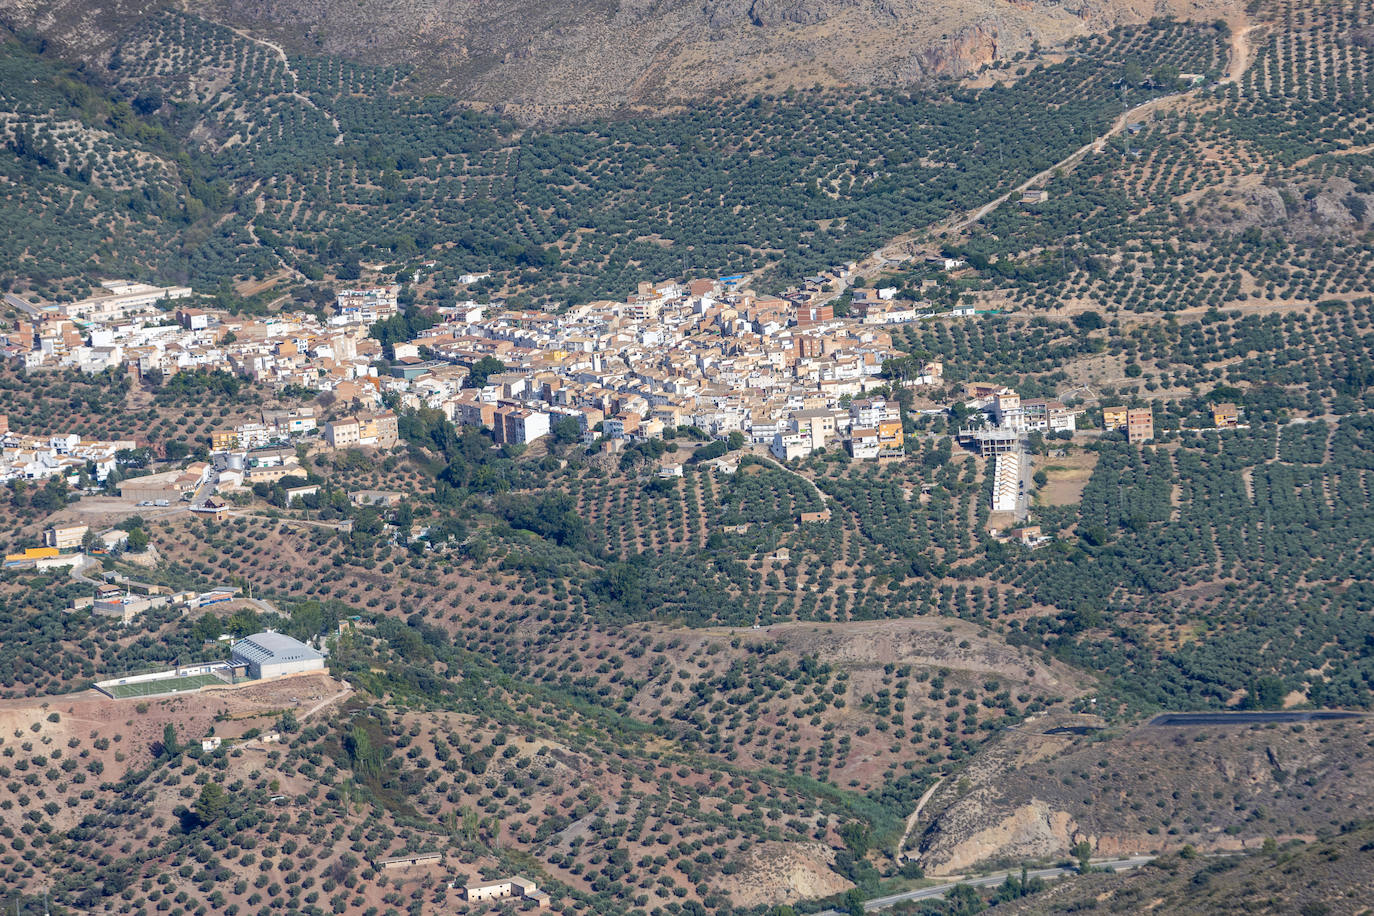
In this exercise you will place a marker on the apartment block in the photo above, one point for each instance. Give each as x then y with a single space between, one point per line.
1007 409
787 446
224 440
1140 424
342 433
65 537
864 442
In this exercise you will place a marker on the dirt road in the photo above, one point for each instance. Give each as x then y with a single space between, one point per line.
1237 62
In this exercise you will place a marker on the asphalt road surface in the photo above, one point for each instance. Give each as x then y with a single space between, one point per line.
992 880
1177 719
24 306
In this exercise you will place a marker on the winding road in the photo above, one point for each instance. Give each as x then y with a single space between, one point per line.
992 880
295 92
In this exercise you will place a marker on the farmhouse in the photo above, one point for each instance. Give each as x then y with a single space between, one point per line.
415 858
508 887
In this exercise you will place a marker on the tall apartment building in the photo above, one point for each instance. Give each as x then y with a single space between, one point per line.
1007 409
1137 422
380 430
1140 424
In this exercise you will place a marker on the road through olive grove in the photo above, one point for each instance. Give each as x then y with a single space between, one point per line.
904 248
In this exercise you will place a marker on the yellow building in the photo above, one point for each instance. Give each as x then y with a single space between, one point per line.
33 553
223 440
890 435
1224 415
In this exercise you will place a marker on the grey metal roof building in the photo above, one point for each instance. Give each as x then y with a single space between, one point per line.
274 654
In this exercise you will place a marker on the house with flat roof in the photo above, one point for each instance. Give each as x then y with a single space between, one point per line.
507 887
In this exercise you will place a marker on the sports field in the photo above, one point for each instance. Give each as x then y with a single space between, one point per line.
162 685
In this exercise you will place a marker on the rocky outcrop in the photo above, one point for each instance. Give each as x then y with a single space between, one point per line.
1145 791
1267 205
1032 831
774 873
1333 207
766 13
1327 211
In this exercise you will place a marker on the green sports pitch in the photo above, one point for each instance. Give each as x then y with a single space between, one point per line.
162 685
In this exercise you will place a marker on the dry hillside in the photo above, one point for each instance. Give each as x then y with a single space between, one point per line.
543 60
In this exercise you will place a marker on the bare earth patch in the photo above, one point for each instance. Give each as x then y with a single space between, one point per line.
1067 478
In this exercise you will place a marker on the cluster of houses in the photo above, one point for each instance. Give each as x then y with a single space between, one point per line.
869 428
126 600
147 330
785 374
705 353
1009 416
26 457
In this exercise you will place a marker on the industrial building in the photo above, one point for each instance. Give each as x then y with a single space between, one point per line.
275 654
169 485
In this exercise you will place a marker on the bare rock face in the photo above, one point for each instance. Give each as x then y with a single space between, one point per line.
1333 207
1032 831
1144 791
1267 205
765 13
774 873
1328 211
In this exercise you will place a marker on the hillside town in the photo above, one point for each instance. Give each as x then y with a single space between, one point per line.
787 374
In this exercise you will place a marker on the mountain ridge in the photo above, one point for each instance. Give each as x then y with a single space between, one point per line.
549 62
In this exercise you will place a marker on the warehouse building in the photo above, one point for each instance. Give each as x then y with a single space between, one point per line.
276 654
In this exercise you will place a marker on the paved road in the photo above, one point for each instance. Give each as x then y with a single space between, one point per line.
28 308
1178 719
79 571
1027 482
992 880
206 488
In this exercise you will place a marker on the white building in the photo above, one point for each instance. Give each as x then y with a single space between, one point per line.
1006 481
864 443
275 654
124 298
365 306
787 446
1007 410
